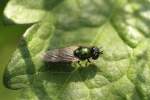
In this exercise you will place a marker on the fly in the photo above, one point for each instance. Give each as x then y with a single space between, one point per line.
72 54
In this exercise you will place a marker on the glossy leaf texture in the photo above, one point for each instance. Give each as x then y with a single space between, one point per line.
120 27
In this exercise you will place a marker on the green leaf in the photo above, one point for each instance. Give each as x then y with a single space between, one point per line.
121 27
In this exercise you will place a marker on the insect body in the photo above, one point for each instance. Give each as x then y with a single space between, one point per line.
72 53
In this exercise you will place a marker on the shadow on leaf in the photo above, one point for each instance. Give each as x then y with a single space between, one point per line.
30 69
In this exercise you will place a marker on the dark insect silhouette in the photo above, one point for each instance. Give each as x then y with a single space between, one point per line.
72 54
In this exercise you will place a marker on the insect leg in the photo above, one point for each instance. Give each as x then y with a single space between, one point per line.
79 62
89 60
101 52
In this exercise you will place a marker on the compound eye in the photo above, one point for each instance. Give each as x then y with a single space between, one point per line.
95 56
95 50
95 53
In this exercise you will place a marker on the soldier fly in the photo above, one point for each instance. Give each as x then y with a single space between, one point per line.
72 54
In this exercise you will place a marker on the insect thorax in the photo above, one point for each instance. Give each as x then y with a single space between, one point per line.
82 53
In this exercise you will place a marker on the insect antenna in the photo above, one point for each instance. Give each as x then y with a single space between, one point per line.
101 50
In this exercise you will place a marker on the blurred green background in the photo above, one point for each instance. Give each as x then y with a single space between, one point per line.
9 37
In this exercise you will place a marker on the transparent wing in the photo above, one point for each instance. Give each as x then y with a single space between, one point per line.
61 55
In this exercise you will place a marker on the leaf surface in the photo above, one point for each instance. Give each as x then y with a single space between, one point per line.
121 27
